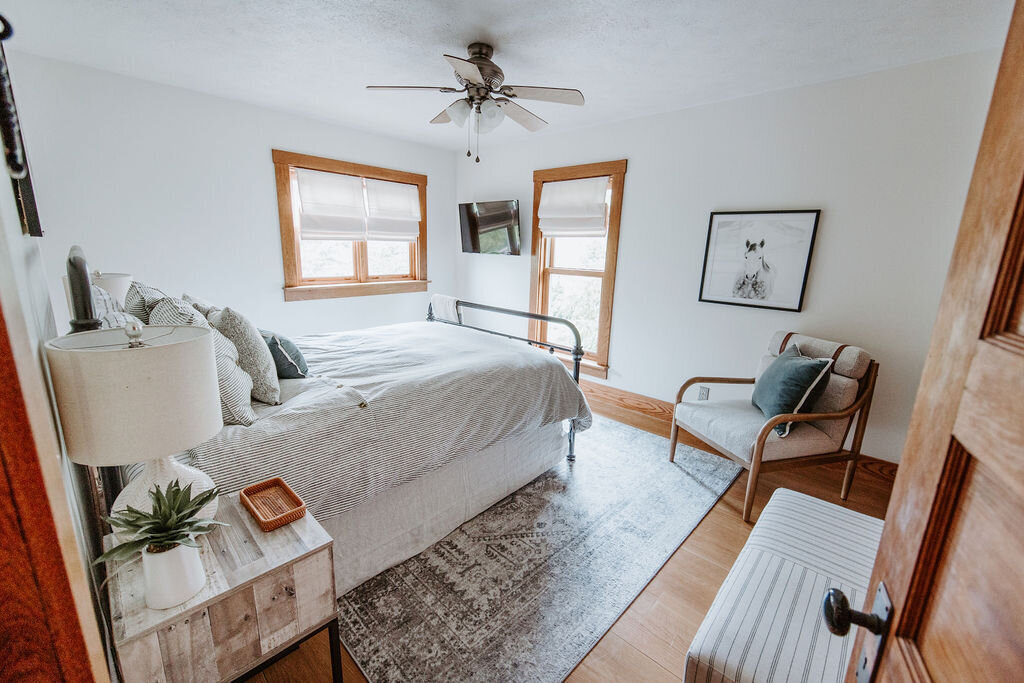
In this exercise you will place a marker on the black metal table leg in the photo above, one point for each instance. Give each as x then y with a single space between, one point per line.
335 638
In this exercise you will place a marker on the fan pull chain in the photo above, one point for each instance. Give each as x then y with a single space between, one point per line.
478 137
469 137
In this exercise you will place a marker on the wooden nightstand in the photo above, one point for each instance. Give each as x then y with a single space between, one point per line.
265 593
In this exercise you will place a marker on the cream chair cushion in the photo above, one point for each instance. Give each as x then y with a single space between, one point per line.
732 426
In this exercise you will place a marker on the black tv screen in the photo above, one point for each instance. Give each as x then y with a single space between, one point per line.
490 227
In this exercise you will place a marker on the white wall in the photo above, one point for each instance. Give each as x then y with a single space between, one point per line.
887 157
178 188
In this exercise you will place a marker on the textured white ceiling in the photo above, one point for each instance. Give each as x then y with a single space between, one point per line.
629 57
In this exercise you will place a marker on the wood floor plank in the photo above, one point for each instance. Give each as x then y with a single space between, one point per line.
650 639
631 629
613 660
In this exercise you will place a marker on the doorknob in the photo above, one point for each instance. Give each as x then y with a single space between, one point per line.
838 615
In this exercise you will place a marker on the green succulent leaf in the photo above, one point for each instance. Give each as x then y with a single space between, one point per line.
171 521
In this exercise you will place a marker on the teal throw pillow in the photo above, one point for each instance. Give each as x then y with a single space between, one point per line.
792 382
287 357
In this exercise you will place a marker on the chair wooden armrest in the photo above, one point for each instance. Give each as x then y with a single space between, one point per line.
711 380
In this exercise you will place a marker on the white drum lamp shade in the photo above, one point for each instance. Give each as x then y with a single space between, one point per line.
122 404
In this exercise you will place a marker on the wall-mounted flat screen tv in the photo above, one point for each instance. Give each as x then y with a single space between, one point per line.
490 227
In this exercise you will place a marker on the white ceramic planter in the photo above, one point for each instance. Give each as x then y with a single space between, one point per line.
172 577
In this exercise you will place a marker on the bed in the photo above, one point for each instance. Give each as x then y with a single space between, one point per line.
405 431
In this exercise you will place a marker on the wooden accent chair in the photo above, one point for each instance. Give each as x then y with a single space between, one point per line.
737 430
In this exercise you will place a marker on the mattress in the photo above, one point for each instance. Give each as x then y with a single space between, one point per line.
405 520
388 405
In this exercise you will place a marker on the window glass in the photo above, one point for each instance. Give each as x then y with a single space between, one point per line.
576 298
387 258
578 252
495 241
327 258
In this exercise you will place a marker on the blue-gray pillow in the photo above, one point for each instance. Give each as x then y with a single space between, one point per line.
792 381
287 357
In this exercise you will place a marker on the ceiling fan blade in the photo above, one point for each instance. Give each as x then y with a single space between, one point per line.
438 88
529 92
524 117
467 69
442 117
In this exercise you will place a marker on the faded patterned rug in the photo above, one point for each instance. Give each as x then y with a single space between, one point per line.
524 590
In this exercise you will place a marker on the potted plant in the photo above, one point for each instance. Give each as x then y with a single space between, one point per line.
171 567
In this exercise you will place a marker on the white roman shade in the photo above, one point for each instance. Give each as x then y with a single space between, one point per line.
331 206
574 208
393 210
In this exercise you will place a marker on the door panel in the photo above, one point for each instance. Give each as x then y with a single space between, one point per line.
951 555
972 607
989 422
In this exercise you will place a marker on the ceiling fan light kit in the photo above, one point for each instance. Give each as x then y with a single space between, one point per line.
488 100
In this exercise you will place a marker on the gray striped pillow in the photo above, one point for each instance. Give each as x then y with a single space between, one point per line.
141 299
108 311
103 302
235 384
201 305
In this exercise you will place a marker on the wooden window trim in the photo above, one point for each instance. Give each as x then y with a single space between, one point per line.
298 288
616 170
336 291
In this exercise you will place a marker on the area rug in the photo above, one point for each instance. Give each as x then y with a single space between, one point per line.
524 590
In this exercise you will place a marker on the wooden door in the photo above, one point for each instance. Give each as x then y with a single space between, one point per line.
952 554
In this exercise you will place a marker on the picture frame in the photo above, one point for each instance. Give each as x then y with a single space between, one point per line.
759 259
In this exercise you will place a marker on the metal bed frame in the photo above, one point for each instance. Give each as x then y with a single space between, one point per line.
576 352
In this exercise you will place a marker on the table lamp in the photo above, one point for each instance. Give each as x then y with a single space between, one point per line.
134 394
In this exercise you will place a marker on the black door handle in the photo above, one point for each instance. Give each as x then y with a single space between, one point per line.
838 615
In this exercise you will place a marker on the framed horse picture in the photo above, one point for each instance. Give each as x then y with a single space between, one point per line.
759 258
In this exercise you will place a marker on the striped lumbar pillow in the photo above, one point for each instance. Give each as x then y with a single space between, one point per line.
235 384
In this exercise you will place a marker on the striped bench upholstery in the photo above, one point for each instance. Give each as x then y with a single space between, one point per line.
765 623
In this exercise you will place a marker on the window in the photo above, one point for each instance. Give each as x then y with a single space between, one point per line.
575 241
349 229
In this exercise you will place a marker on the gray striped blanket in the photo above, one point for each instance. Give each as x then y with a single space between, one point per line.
390 404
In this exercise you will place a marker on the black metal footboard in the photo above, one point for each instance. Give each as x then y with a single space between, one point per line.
576 351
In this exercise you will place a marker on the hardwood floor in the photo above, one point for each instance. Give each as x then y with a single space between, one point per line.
649 641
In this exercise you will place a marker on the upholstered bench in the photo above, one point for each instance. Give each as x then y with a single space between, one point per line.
765 622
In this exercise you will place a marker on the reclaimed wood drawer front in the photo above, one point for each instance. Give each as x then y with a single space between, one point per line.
180 651
314 589
294 599
236 635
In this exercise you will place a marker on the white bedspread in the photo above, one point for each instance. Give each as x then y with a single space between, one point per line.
388 405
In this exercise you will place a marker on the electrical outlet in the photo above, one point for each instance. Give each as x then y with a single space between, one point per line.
702 392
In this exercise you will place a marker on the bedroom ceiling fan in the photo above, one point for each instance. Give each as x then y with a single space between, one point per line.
488 100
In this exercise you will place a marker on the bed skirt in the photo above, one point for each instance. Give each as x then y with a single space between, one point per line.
395 525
